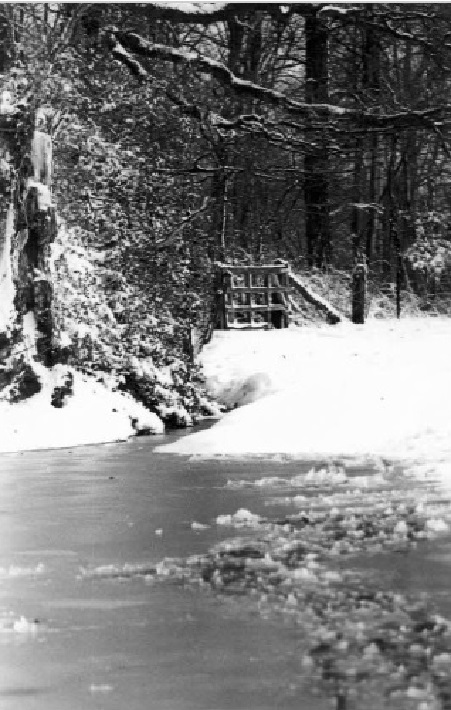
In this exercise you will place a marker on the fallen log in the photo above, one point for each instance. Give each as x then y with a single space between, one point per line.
333 316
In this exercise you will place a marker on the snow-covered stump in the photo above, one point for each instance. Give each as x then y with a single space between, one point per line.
27 228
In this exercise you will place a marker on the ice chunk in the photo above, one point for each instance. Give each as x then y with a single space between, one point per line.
400 528
242 517
23 626
436 525
198 526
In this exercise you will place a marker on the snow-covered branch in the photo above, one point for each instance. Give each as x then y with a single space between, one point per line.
131 42
136 68
126 46
205 13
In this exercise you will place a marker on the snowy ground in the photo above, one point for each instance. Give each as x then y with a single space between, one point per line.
94 414
382 389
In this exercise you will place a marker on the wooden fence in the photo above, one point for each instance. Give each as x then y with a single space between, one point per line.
253 296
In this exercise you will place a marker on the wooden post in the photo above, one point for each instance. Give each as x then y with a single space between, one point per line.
250 298
358 291
228 294
268 299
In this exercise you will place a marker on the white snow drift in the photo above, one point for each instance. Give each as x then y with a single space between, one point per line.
381 389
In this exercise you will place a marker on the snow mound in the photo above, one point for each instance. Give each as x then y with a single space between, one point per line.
244 392
94 414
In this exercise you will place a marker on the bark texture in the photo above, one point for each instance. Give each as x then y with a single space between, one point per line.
316 184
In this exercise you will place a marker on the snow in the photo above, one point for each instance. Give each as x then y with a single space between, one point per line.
14 571
337 9
24 626
6 103
94 414
100 688
315 297
380 390
216 68
6 277
44 194
41 157
12 624
192 7
29 332
198 526
242 518
118 50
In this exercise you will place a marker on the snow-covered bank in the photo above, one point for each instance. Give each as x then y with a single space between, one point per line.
94 414
381 389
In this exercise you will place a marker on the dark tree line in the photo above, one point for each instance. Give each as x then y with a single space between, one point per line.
314 132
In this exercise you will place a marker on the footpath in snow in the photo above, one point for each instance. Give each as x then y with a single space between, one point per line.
379 390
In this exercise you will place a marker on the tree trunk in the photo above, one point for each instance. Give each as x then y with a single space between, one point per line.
27 229
358 283
392 227
371 87
316 183
358 288
245 46
388 207
360 216
218 210
409 168
370 232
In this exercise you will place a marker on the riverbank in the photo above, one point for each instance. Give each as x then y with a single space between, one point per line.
376 390
93 414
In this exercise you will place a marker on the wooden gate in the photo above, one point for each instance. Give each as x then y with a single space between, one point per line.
253 296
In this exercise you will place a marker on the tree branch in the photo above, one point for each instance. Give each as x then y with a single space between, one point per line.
161 243
126 45
131 42
205 13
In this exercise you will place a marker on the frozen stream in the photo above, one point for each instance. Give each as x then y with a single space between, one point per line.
280 618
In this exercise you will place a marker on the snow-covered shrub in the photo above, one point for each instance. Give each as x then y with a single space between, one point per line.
108 328
382 302
428 267
428 259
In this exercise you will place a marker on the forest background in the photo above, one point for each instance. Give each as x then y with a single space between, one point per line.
186 134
